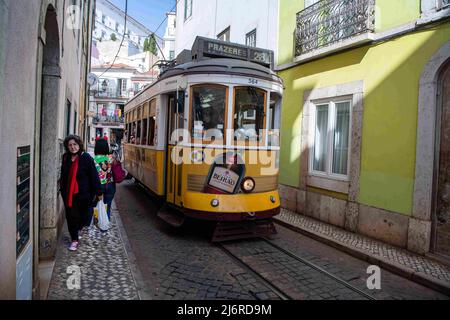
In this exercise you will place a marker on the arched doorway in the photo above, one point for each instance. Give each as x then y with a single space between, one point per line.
441 217
431 157
47 131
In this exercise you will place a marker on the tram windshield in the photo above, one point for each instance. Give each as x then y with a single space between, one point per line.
209 105
249 114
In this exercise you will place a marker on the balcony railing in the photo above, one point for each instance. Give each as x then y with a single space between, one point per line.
112 120
112 94
330 21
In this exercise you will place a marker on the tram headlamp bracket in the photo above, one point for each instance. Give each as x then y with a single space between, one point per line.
248 185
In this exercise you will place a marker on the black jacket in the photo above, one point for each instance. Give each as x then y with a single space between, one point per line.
87 177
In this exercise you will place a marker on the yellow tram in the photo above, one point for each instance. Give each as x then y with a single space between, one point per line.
205 136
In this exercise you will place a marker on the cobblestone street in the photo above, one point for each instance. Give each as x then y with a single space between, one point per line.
183 264
141 257
103 267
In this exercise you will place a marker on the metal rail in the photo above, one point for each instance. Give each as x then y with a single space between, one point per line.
271 286
317 268
279 292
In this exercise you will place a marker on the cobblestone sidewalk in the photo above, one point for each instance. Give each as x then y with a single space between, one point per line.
415 267
102 263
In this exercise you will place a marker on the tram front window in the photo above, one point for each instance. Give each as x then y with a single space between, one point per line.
208 112
249 114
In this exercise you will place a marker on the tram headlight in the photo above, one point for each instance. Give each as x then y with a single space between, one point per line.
248 185
273 199
214 203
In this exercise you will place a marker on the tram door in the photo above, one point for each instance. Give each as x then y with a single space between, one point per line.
174 170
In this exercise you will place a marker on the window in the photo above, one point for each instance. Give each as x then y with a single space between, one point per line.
171 55
443 3
187 9
250 38
75 121
224 35
330 152
144 131
152 122
248 117
209 105
274 115
68 113
122 87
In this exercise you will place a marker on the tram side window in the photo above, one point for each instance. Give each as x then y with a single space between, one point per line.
151 124
274 115
138 132
144 131
249 114
151 132
133 133
209 104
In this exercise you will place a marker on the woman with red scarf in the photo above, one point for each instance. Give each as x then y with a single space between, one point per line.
79 186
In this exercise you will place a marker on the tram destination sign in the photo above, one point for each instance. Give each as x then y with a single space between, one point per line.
204 47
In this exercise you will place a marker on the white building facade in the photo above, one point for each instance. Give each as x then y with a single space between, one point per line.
108 98
249 22
110 19
169 36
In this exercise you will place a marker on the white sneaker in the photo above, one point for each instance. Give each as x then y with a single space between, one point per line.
73 246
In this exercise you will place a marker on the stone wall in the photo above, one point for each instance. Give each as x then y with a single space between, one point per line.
387 226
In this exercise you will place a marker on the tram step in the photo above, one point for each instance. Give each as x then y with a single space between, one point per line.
226 231
171 217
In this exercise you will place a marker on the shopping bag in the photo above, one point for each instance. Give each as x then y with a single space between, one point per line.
103 221
118 172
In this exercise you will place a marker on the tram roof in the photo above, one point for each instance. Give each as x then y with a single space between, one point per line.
222 66
217 66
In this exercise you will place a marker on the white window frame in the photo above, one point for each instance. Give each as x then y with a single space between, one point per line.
433 10
123 86
330 139
440 4
187 14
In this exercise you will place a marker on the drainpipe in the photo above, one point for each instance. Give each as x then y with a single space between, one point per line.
89 30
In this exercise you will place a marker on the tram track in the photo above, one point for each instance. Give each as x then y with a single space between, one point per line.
278 288
253 272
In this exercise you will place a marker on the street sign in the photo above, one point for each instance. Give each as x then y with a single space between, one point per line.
211 48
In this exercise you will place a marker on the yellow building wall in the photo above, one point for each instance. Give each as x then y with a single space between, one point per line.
391 72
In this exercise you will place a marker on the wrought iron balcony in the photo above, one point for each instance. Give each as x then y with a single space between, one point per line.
331 21
108 120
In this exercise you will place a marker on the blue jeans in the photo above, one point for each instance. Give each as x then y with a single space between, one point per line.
109 190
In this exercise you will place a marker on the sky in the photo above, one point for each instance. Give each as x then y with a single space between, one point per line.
148 12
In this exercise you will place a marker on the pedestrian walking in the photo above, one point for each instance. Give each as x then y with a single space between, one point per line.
104 162
79 186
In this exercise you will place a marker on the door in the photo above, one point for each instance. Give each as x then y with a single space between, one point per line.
174 169
442 215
